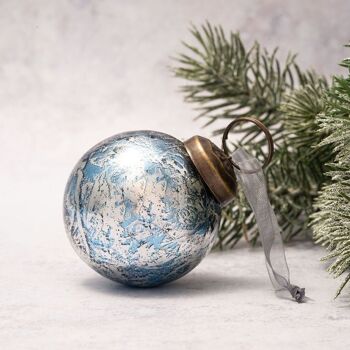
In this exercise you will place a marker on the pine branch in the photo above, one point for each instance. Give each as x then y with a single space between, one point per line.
331 223
225 81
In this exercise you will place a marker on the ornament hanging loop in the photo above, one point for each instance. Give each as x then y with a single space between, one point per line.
261 126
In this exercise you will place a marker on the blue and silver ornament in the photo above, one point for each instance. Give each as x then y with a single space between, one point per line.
143 208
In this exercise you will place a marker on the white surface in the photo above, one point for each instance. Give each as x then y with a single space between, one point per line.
53 301
75 72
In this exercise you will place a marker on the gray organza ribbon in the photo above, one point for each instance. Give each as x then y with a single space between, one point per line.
252 179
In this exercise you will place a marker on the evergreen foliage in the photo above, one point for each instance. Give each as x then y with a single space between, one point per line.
309 177
331 222
225 80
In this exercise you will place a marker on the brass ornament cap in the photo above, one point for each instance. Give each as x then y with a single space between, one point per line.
214 166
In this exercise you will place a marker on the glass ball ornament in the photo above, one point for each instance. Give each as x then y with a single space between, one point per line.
143 208
137 209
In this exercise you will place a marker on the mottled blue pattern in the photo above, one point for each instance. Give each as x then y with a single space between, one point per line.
136 210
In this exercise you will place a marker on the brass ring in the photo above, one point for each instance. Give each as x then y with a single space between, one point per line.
261 126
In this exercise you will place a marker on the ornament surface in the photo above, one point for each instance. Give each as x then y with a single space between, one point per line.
136 210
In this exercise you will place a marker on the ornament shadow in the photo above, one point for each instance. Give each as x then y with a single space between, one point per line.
193 284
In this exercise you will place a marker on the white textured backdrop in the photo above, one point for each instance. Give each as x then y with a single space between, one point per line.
74 72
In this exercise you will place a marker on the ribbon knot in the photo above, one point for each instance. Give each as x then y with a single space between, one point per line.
297 293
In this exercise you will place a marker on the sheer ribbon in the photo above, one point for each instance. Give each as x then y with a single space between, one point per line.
252 179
